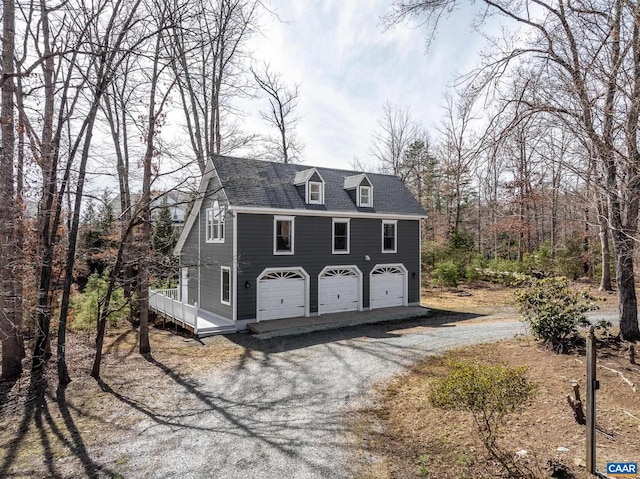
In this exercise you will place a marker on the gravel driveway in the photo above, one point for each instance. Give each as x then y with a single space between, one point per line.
280 412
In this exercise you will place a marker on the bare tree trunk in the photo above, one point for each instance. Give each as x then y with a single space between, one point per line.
586 265
9 319
63 374
605 278
106 303
105 65
145 240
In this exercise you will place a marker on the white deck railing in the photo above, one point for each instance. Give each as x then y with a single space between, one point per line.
166 302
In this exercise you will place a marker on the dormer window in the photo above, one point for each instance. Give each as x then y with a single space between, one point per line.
364 196
315 193
362 190
310 185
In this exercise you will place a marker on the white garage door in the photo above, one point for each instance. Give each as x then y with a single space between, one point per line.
281 294
387 287
338 290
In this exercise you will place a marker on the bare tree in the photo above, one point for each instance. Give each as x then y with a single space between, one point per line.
9 313
460 150
396 131
209 48
585 54
283 101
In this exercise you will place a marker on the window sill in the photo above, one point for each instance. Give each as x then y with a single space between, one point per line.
339 252
283 253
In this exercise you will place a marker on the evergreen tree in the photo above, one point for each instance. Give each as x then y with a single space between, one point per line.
164 234
163 240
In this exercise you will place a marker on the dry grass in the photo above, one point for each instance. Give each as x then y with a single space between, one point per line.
406 437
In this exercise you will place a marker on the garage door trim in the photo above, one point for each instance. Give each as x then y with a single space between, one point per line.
343 267
405 280
268 271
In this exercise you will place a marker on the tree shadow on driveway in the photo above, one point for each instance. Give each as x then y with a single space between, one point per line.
226 416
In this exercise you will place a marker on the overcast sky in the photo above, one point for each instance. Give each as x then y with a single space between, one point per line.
348 66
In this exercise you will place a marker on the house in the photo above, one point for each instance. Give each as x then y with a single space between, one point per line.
267 240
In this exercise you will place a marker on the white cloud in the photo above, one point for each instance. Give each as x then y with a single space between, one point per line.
349 66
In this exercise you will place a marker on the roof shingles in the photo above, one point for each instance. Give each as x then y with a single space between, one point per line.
256 183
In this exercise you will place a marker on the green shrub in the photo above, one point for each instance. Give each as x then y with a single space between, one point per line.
554 311
472 274
489 393
85 307
446 273
432 253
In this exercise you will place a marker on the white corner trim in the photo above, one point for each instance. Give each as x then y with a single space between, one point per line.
234 259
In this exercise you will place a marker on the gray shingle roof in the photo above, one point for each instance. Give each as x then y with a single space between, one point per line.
256 183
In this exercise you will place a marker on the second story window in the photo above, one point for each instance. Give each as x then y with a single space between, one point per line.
389 236
340 236
215 223
283 234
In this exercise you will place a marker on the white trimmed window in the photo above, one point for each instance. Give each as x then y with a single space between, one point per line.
340 237
389 236
316 193
283 234
215 223
225 285
364 196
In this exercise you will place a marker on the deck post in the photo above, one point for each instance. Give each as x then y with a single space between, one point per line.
182 308
195 318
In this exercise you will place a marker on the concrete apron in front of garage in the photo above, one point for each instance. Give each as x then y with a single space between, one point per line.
291 326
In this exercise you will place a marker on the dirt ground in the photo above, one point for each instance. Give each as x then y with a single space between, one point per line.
489 298
404 436
60 431
63 432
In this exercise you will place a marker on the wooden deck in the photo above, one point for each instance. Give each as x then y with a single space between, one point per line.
166 303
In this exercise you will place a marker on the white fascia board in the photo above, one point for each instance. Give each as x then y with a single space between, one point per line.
335 214
209 170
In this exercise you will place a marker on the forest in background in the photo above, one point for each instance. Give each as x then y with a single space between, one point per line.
535 168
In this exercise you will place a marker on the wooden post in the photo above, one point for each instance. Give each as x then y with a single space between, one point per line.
592 386
576 404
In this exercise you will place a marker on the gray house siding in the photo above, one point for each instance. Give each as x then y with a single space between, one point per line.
205 260
312 248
